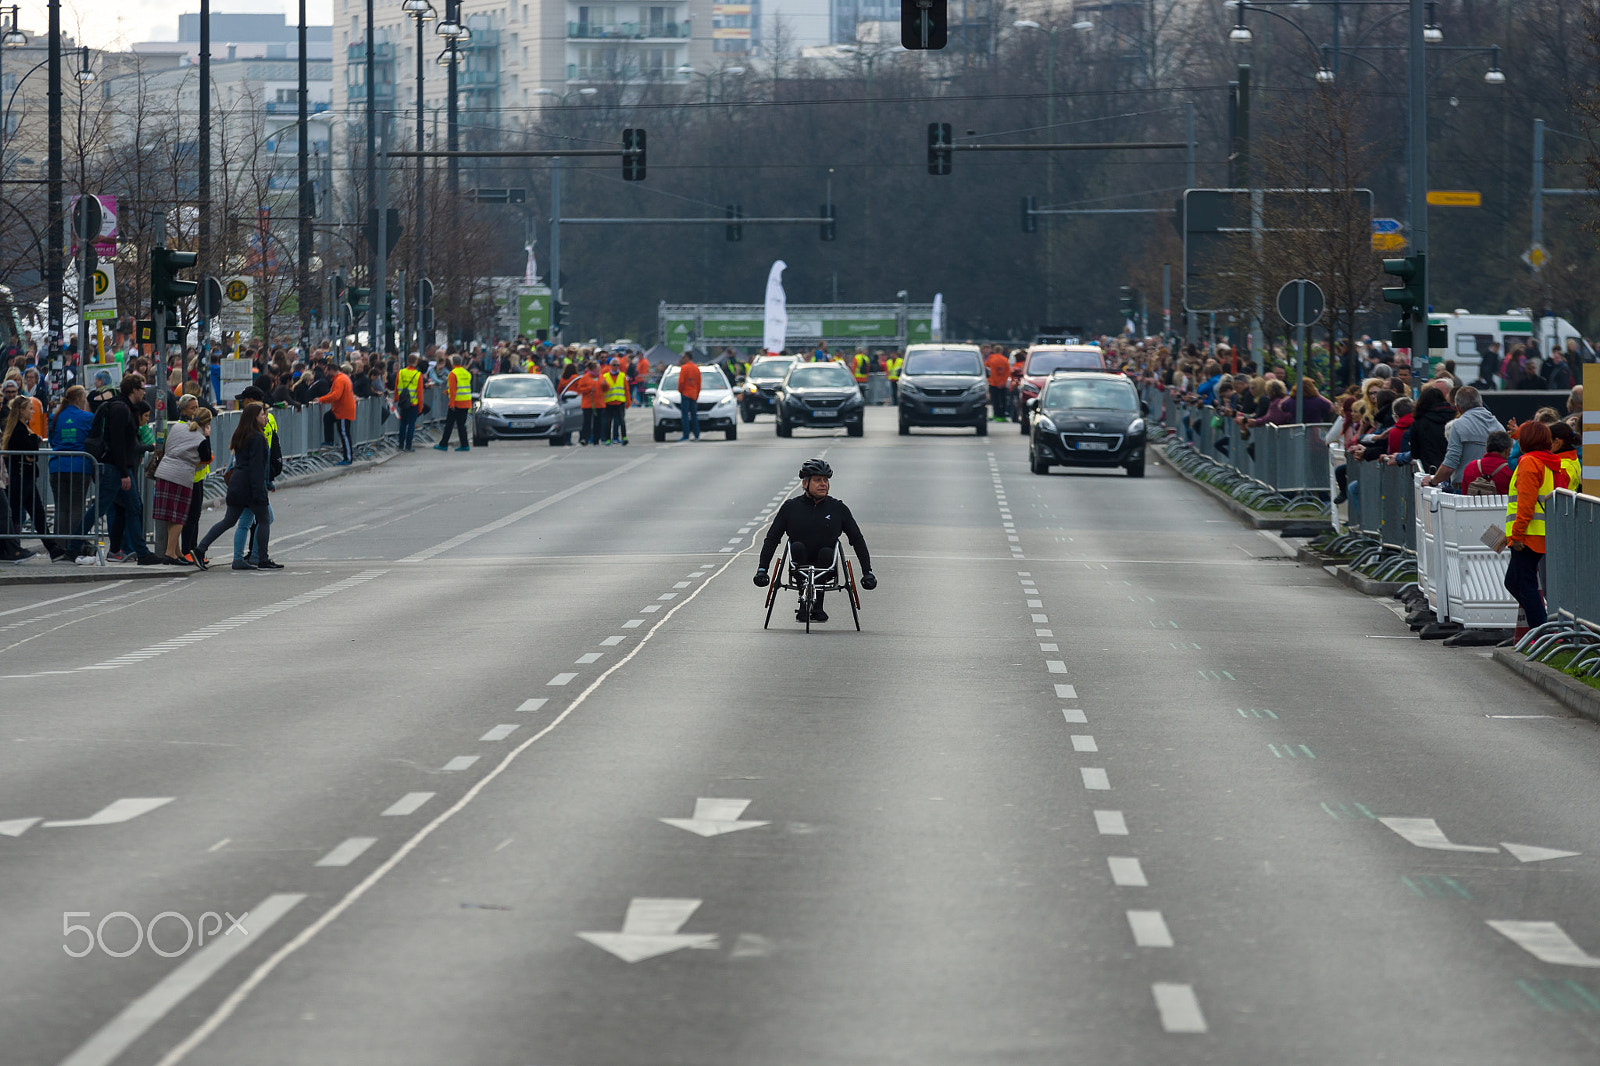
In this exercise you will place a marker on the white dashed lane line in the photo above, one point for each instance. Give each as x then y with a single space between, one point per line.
588 657
1111 823
1149 929
1178 1007
1083 742
1095 778
612 642
407 804
1126 872
499 732
533 704
562 679
347 852
459 763
1074 716
633 623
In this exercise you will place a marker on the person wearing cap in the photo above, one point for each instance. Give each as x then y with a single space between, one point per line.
341 401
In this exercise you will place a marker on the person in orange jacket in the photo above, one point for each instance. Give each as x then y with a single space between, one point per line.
594 406
999 379
641 378
341 399
1539 473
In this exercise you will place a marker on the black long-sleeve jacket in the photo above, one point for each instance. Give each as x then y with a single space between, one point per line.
817 524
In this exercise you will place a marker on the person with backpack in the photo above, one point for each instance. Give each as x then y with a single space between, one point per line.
70 474
1490 473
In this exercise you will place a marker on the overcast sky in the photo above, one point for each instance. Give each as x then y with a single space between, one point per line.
113 24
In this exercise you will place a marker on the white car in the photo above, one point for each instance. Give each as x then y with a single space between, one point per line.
717 407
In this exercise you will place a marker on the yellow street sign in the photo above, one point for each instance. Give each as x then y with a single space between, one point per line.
1454 198
1388 242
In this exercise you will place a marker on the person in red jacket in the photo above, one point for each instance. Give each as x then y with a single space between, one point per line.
341 399
999 368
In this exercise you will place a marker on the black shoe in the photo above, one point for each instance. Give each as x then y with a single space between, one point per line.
818 614
268 564
150 559
800 615
244 564
1343 496
200 561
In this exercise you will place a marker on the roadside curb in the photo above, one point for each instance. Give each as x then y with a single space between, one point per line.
1255 519
318 477
1568 691
87 574
1364 584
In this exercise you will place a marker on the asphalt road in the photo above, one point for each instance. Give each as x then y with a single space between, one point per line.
1104 778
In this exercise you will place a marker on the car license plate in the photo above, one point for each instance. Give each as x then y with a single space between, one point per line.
1093 446
944 410
823 414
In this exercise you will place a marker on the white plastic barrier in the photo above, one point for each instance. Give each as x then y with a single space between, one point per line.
1336 459
1473 577
1430 551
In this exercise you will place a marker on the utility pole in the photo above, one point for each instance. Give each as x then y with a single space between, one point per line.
1417 166
53 265
378 298
375 237
555 242
303 258
452 136
203 188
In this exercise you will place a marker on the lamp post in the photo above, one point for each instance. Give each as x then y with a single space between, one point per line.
555 210
86 76
53 260
455 34
306 204
1049 163
422 12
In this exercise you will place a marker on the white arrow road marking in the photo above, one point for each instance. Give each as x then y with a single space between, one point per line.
114 1037
121 810
1425 833
1545 941
16 827
651 928
1529 853
713 817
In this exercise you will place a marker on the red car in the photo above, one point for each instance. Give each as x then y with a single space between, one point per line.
1042 361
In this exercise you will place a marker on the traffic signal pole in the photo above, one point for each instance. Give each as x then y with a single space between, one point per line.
1417 168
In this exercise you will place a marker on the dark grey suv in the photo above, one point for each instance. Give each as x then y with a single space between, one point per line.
944 385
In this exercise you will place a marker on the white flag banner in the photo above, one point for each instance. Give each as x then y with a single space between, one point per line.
936 327
530 274
775 333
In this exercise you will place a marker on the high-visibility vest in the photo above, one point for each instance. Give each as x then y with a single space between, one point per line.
1536 523
894 365
409 380
270 430
1574 468
615 387
861 368
460 388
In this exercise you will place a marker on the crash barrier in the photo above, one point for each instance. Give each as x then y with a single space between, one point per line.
66 502
1264 467
1572 590
1462 575
877 390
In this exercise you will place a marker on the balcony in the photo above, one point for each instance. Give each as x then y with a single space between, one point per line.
627 31
626 74
314 107
477 79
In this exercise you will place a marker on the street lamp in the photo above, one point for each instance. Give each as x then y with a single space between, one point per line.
1240 34
1495 75
1431 33
13 37
1325 73
1083 25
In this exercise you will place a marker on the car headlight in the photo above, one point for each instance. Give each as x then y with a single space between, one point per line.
853 401
1136 427
666 401
907 385
1044 424
980 389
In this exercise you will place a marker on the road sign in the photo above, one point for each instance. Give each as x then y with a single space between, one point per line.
1300 302
238 303
103 293
1454 198
1388 242
86 218
1386 225
1536 256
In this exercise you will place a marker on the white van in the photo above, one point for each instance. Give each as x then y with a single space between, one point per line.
1471 335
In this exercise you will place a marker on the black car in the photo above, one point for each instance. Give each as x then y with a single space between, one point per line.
1087 419
760 390
819 396
944 385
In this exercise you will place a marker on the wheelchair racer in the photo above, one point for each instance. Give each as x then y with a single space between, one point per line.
814 520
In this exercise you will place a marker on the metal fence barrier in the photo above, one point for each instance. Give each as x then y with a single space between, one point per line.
65 502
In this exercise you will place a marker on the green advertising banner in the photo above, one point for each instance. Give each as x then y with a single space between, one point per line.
678 332
732 329
920 329
533 312
860 327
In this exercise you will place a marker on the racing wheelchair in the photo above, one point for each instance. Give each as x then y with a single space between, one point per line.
811 581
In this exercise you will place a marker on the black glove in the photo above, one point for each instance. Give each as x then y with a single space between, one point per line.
868 582
762 579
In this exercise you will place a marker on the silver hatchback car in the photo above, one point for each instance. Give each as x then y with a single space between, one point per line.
524 407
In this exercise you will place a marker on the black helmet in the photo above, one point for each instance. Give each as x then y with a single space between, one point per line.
815 468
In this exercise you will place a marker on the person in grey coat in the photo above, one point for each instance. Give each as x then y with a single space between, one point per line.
1466 438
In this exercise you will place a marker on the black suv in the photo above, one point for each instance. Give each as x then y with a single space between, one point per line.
758 394
1087 419
944 385
818 396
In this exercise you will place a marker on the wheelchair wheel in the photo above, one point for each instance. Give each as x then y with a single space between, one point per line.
852 594
772 589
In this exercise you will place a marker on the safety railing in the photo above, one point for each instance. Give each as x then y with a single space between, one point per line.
1268 467
1572 587
53 496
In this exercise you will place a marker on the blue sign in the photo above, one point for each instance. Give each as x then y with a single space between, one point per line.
1386 225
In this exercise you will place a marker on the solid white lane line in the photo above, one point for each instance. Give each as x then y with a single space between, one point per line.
1082 742
633 623
1149 929
532 705
1126 872
1178 1007
1545 941
1074 715
301 533
407 804
499 732
136 1018
228 1006
460 762
1066 692
518 515
348 852
561 679
588 657
1094 778
612 642
1111 823
59 599
1056 666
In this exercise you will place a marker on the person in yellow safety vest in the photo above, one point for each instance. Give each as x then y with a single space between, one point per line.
614 388
408 401
892 367
861 364
1564 443
1539 473
457 386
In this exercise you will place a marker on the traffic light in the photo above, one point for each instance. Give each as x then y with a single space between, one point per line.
924 24
939 152
355 301
1409 297
633 155
1030 224
558 315
735 231
1125 301
828 229
166 289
